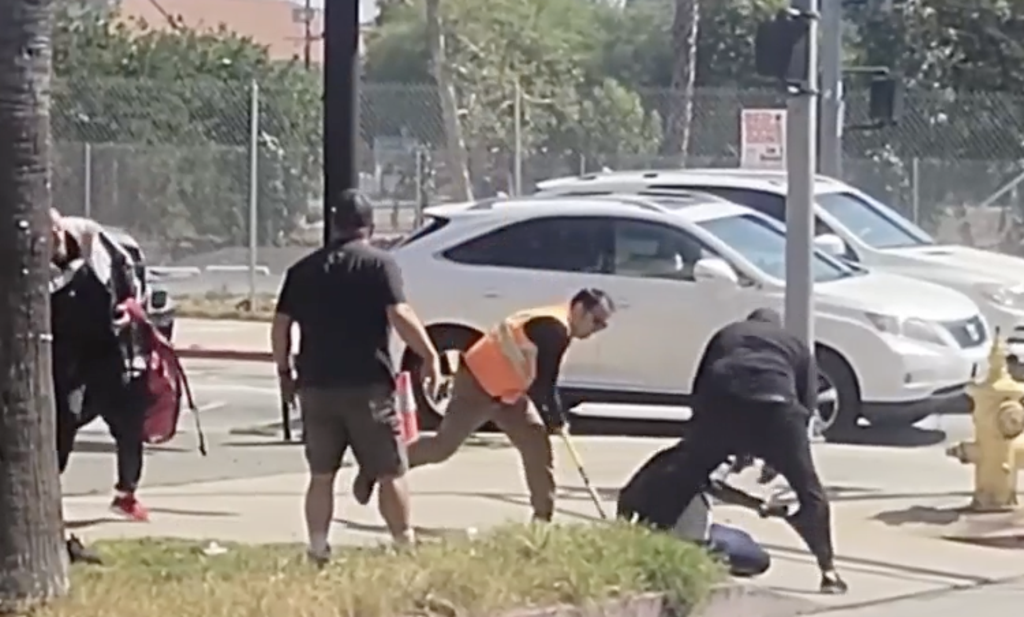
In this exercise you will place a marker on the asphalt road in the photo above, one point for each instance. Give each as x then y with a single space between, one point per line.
236 397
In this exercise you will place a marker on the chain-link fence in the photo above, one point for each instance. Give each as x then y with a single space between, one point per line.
184 170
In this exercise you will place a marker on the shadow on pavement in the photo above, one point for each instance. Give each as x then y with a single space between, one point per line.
903 437
260 444
920 515
202 513
85 523
103 447
995 529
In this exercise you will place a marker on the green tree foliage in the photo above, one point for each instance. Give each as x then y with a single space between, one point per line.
167 114
963 64
950 51
547 49
593 76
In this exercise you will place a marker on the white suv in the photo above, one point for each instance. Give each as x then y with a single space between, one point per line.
891 349
850 224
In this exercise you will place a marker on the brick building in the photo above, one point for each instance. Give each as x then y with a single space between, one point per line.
278 24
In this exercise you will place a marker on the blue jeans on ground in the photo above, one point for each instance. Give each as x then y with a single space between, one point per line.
745 556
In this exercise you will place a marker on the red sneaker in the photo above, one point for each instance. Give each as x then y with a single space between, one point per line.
129 507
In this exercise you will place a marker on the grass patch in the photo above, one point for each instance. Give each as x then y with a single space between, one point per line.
220 305
503 569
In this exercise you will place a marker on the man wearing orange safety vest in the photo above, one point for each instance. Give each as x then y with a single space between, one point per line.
509 377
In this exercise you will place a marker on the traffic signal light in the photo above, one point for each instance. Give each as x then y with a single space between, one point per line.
780 47
885 99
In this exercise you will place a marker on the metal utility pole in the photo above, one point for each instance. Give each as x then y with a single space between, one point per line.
254 187
307 35
341 103
800 162
830 162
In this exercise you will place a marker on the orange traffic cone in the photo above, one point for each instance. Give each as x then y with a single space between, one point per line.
407 407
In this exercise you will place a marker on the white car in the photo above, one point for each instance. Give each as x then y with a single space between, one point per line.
892 350
159 306
851 224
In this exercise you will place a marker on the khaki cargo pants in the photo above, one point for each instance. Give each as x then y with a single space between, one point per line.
362 418
468 410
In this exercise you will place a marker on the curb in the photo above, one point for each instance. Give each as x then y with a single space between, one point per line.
237 355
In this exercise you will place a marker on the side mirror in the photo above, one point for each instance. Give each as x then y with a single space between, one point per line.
712 269
830 244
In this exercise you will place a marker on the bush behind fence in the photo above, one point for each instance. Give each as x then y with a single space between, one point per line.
174 166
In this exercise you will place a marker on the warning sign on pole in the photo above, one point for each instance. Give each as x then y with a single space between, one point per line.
763 138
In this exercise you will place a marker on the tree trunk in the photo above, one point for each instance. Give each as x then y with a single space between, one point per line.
685 24
33 560
455 147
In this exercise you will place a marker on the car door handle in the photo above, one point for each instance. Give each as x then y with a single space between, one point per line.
622 304
491 295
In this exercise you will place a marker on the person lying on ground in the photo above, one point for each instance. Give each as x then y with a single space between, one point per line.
740 551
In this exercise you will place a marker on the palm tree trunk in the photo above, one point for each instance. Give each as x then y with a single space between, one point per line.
457 160
33 562
685 26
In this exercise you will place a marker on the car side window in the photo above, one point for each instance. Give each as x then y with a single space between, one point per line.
648 250
766 203
770 204
563 244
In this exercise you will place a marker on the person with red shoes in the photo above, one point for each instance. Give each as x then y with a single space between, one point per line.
97 359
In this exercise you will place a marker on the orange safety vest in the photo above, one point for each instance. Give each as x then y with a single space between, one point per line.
504 361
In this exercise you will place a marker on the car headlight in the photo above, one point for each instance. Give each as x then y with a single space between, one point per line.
911 328
1002 295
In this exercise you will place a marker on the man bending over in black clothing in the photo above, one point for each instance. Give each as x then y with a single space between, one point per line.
752 396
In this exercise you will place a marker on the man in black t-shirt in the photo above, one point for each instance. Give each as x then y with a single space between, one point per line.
344 299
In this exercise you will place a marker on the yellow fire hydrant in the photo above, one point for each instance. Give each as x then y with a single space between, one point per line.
997 451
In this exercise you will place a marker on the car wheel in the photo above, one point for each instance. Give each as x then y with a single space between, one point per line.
450 342
838 396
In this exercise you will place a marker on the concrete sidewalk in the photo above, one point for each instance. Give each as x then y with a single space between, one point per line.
482 487
218 339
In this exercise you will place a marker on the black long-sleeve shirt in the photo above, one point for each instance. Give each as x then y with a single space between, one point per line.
753 359
552 340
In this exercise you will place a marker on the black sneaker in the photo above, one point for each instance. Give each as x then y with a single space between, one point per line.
78 553
362 488
831 584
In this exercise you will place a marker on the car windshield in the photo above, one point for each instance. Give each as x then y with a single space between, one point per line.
876 224
763 243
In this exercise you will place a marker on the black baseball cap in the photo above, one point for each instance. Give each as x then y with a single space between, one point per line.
353 210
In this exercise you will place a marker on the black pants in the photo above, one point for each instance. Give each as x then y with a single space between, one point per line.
773 432
122 407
